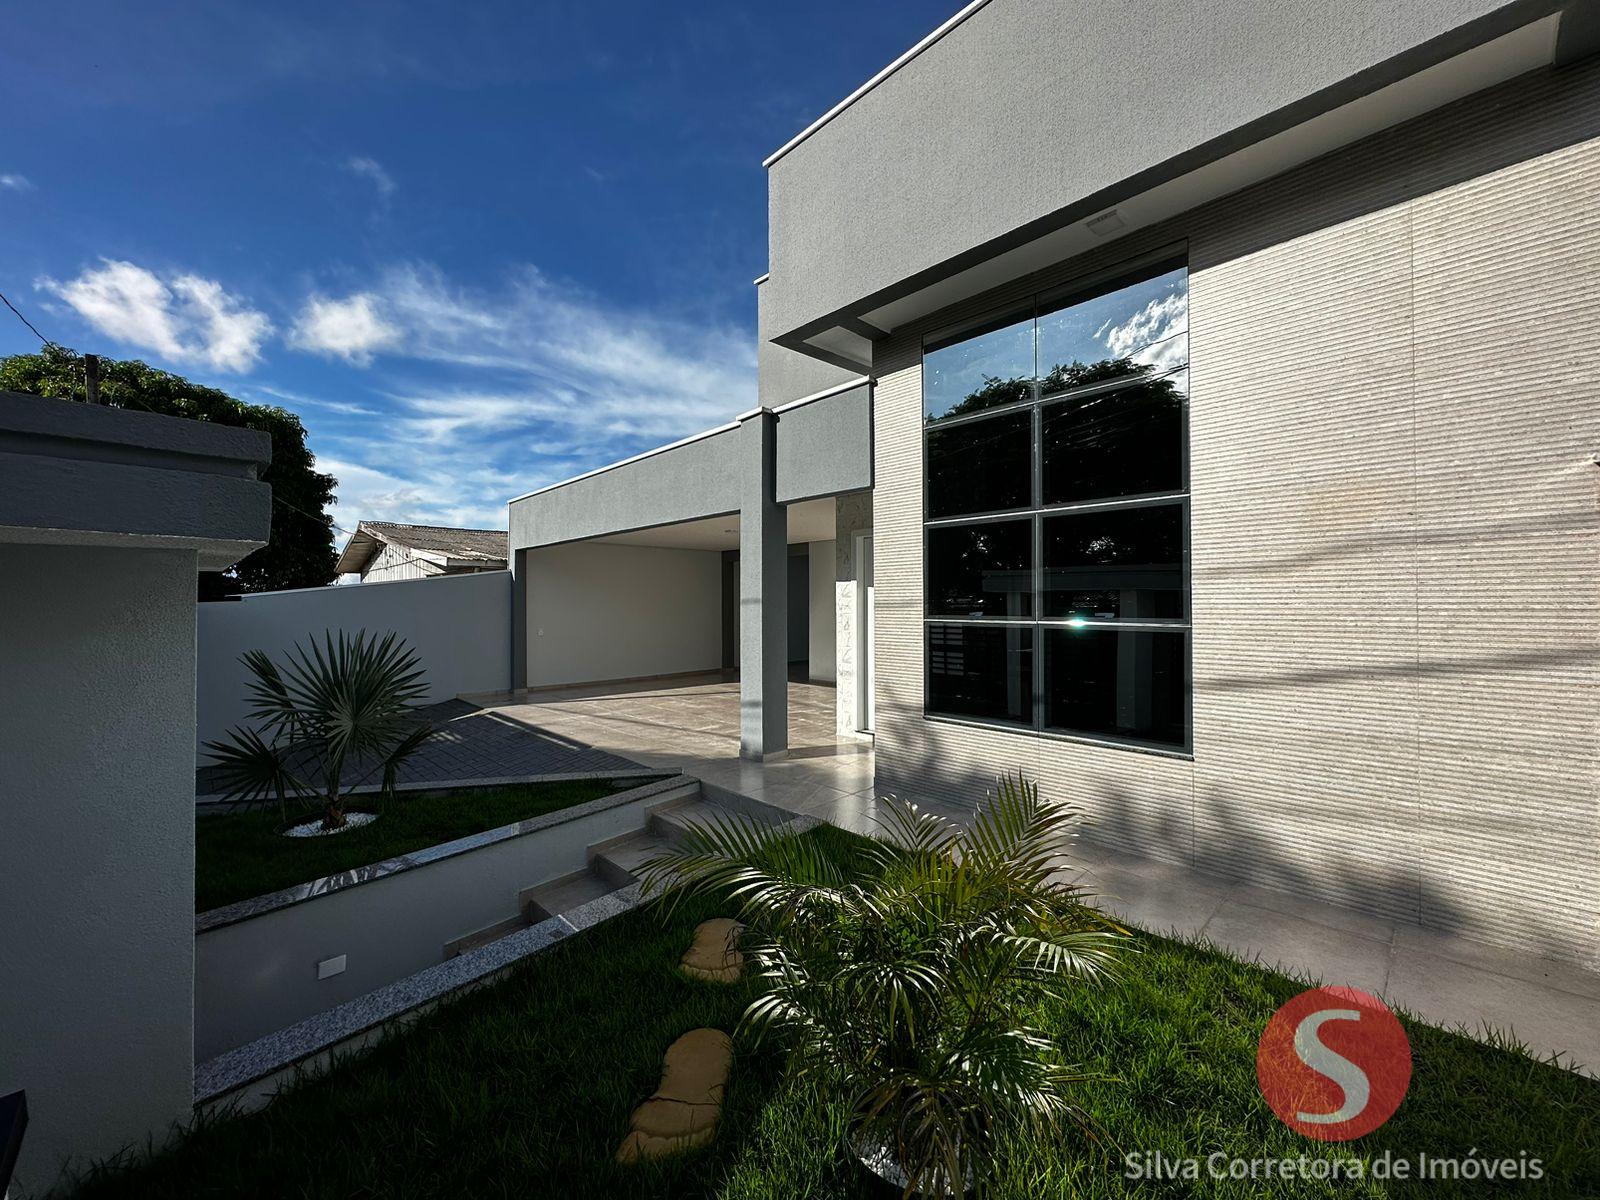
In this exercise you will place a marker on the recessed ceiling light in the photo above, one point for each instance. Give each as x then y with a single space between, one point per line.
1106 222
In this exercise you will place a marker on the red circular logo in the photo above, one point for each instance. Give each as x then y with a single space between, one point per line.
1334 1063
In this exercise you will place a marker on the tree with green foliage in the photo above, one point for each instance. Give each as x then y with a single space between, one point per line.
300 551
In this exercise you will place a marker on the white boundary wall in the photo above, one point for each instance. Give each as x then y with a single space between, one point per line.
460 626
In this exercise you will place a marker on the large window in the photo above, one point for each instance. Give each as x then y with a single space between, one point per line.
1057 514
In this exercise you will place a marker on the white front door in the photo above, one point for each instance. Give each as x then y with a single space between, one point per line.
864 671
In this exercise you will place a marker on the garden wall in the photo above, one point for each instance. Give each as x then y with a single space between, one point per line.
460 626
255 974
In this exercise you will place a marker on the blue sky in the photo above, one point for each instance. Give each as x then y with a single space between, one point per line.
477 247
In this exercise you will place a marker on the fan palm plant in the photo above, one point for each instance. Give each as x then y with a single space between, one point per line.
346 703
901 971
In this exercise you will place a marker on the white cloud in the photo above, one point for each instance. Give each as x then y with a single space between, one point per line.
184 318
15 183
494 392
1149 335
352 329
371 168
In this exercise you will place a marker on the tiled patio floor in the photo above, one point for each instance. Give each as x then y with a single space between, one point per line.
691 724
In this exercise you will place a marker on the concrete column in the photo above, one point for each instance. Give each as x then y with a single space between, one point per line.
763 595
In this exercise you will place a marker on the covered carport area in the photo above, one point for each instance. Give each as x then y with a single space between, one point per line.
713 558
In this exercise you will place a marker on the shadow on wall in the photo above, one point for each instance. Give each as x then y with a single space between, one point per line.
1380 871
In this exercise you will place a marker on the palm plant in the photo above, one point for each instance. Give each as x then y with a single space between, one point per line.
900 971
345 703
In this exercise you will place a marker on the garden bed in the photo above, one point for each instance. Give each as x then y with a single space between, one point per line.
241 855
525 1087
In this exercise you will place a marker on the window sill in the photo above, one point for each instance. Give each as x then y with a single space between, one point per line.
1059 736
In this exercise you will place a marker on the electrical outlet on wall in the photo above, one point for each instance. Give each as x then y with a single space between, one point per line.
329 967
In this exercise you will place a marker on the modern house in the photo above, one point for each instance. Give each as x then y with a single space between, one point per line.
383 550
1210 399
1193 409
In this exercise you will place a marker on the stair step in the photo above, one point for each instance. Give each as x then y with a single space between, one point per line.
482 937
672 821
620 859
563 895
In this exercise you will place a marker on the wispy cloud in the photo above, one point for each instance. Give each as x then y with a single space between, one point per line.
183 318
372 169
353 329
492 392
1149 335
15 183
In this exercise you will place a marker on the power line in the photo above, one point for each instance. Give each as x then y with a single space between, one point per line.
43 340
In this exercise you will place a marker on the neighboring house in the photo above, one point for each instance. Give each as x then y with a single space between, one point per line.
382 550
1214 391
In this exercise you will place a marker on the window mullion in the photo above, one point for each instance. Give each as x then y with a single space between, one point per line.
1038 561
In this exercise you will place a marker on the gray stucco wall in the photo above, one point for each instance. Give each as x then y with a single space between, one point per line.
786 374
598 611
700 479
96 846
259 975
1394 536
1028 108
459 625
825 447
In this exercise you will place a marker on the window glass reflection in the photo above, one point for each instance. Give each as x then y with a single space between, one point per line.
981 466
982 370
1122 441
983 671
1141 326
1104 564
981 570
1121 683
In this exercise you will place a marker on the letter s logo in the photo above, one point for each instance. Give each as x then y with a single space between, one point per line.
1351 1078
1334 1063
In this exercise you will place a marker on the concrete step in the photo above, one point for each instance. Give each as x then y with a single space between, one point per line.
482 937
563 895
620 859
671 822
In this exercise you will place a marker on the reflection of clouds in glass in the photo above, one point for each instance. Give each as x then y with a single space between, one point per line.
1151 335
1120 324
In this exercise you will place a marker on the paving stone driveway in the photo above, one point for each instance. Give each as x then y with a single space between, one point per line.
475 743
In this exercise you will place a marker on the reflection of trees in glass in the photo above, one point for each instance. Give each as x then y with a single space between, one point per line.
982 570
996 392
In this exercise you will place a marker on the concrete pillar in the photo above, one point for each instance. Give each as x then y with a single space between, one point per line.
763 595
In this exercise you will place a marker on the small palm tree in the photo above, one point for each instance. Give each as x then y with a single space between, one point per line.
901 971
330 706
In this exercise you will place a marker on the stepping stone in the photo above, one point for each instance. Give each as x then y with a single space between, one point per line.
683 1112
714 956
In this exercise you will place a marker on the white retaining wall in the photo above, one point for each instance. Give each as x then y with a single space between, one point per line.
460 626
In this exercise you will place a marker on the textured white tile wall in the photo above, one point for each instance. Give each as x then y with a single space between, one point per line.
1396 552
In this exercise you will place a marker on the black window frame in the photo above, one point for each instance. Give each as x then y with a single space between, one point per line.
1042 304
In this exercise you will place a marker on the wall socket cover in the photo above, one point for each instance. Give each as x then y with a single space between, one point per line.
329 967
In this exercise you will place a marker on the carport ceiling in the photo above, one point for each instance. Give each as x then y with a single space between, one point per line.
809 521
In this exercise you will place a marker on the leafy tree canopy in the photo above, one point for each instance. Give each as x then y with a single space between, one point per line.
300 550
995 391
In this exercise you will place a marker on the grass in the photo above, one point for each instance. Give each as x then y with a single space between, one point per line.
241 854
523 1089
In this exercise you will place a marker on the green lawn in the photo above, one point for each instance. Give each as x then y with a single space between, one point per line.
239 855
523 1090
